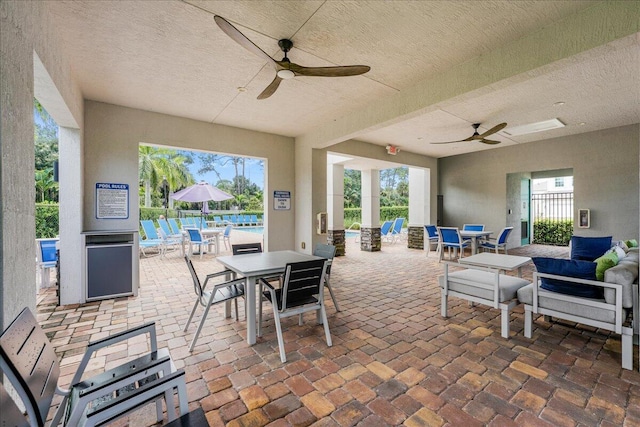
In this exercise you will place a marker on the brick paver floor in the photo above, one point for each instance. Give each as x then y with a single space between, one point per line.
394 360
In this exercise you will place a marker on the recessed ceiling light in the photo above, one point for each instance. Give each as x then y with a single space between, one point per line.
558 104
242 89
533 127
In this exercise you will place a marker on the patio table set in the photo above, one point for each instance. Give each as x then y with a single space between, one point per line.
471 235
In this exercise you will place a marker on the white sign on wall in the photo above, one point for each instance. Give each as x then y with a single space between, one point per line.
112 201
281 200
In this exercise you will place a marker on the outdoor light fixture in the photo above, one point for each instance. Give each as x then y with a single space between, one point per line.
392 150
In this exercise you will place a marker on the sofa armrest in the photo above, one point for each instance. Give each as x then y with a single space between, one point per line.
615 306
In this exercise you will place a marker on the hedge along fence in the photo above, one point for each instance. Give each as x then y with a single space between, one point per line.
557 233
387 213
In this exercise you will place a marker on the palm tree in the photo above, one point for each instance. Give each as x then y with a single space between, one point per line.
156 164
44 183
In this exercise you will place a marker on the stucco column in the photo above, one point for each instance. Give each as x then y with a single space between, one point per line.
370 203
335 207
71 180
310 196
419 206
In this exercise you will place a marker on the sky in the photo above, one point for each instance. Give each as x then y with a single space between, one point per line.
253 171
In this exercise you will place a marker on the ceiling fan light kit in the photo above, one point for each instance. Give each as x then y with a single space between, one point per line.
285 69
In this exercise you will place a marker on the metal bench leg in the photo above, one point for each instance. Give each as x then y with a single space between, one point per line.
504 320
627 348
528 320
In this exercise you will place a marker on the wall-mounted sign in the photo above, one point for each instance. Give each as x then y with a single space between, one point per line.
112 201
281 200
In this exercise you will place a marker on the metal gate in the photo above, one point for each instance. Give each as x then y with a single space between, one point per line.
552 218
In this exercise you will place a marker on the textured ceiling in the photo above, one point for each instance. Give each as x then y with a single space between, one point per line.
170 57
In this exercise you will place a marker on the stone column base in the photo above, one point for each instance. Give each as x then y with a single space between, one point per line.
416 238
370 239
337 239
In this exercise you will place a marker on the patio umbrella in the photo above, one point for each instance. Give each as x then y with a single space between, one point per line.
201 192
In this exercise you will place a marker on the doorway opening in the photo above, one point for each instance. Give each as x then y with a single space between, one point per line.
552 209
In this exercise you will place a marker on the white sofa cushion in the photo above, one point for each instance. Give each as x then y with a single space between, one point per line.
462 281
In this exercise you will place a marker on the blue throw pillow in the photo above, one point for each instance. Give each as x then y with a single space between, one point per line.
589 248
572 268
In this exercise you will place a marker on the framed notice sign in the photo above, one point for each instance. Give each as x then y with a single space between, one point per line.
112 201
281 200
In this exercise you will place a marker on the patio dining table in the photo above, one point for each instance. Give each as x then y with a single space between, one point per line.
206 233
254 266
474 236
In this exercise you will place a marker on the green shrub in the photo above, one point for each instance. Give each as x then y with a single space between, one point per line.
553 232
47 220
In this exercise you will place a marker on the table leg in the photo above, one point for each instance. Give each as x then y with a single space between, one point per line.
520 272
217 244
250 304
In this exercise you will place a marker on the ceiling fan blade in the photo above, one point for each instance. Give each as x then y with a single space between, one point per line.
340 71
489 141
447 142
496 128
241 39
269 90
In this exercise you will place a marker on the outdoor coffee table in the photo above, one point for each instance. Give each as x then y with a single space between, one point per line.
500 262
254 266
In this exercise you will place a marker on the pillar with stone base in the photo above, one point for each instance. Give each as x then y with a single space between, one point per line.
370 240
416 237
337 239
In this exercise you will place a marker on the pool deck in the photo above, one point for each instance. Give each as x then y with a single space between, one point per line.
394 360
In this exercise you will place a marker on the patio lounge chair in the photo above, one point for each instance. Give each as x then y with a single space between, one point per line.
152 235
499 243
31 365
254 220
150 244
218 221
396 230
302 283
385 231
450 238
328 252
226 291
164 226
46 258
173 222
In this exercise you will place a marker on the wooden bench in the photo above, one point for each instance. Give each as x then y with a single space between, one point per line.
29 361
483 286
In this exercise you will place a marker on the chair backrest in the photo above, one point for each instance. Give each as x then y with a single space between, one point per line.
174 226
226 218
164 226
325 251
302 280
30 362
397 226
450 235
246 248
194 235
385 228
11 415
432 231
227 230
149 229
473 227
197 287
504 235
254 219
47 250
217 220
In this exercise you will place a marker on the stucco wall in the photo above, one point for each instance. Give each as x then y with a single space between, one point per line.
606 174
112 137
24 29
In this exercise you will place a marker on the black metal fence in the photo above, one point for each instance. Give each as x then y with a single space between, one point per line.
552 218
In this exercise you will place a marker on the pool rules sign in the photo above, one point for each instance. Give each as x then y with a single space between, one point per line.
281 200
112 201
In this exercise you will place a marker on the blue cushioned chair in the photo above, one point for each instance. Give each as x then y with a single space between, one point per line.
47 258
432 237
495 245
450 238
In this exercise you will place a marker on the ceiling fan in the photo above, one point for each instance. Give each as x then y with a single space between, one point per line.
285 69
480 137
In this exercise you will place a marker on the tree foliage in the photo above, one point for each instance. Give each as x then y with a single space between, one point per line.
156 164
394 187
45 137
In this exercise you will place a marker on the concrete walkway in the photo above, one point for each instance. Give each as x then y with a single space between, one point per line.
394 360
